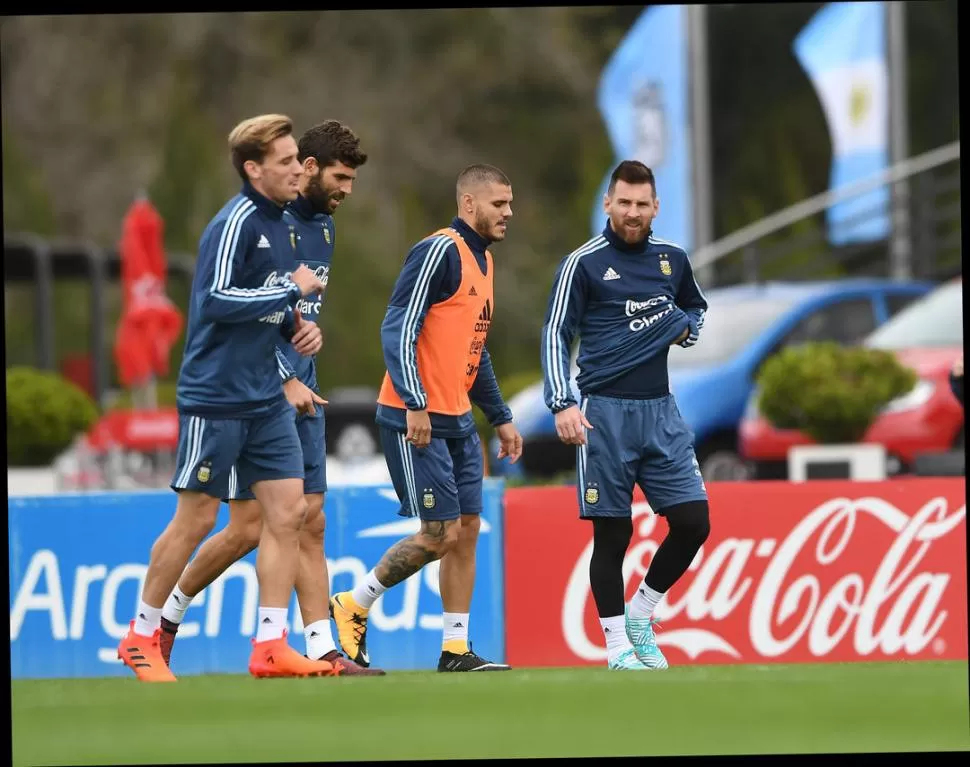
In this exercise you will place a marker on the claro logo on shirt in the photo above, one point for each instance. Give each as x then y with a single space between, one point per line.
636 307
640 323
308 307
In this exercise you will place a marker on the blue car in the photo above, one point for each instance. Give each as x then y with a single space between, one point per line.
712 381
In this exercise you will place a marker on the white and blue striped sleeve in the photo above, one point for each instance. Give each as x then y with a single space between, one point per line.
691 299
223 255
567 303
427 275
283 366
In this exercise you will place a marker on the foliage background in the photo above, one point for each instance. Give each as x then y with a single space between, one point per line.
99 107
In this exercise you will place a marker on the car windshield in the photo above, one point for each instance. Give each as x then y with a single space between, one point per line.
934 320
729 326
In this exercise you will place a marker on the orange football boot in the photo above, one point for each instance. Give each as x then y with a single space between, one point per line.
143 655
275 658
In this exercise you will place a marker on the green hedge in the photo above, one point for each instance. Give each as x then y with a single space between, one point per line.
45 412
830 392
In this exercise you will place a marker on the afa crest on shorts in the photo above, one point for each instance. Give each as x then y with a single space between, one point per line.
428 498
665 265
204 474
592 496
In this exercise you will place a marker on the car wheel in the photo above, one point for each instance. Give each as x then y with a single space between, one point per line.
723 465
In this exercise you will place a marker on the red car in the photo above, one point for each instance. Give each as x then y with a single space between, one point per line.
928 337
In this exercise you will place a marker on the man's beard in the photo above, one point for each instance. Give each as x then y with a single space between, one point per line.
484 227
318 197
641 232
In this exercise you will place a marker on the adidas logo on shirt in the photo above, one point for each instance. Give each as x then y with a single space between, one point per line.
263 242
485 318
611 274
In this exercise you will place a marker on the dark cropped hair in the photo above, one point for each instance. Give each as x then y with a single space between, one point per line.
329 142
474 175
632 172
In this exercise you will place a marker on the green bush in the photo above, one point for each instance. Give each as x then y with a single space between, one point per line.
830 392
45 412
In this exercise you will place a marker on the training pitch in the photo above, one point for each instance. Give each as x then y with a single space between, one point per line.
902 706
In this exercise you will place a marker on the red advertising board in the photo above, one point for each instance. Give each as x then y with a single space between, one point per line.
817 571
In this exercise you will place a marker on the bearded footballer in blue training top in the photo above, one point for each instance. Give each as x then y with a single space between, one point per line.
630 296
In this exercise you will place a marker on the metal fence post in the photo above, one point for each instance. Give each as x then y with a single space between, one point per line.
96 267
43 269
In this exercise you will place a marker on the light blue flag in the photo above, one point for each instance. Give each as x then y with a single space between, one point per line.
644 97
843 51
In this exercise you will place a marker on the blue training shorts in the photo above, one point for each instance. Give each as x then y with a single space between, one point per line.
437 482
635 442
312 433
211 450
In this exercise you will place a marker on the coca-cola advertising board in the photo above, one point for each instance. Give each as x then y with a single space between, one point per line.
810 572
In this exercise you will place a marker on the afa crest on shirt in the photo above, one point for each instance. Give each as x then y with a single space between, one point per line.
665 265
592 496
326 233
428 499
204 473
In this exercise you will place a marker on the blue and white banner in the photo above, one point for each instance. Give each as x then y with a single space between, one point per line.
644 97
843 51
77 564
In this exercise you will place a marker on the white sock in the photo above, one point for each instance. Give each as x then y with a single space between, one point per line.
644 602
272 623
456 627
319 640
148 620
368 590
176 605
614 629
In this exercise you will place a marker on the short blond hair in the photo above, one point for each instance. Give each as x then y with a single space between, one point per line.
250 139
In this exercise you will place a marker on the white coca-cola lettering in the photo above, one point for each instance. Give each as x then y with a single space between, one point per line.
896 609
691 641
863 607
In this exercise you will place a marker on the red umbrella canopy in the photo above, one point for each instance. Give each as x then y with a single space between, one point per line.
150 322
142 253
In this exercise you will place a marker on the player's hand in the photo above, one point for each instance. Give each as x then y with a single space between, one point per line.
682 337
510 442
308 338
419 428
302 397
306 280
569 425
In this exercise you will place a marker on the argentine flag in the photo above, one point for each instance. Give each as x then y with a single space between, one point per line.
644 98
843 51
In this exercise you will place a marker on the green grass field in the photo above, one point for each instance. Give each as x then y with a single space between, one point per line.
522 713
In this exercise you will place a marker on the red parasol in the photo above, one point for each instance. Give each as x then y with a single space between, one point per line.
150 322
